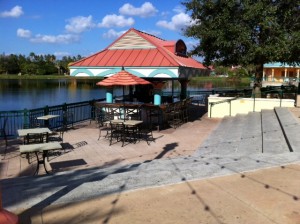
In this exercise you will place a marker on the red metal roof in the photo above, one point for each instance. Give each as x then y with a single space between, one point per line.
138 49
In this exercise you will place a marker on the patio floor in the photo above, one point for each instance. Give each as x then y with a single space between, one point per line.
84 150
264 195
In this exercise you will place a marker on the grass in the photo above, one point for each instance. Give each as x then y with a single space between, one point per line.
36 77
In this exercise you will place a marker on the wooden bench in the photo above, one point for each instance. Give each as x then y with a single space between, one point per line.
43 148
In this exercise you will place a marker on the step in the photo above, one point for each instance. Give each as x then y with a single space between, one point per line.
290 126
273 137
251 138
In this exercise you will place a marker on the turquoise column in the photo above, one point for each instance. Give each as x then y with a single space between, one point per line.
109 95
157 97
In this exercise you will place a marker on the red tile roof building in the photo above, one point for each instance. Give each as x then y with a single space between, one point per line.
143 55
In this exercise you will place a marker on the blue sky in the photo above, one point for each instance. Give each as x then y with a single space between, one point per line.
72 27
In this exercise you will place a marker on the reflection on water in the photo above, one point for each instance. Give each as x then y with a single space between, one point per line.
30 94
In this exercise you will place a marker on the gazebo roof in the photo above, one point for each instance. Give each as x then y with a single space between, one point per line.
138 49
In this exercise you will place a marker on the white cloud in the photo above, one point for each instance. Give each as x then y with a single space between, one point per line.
112 34
59 39
79 24
177 23
14 12
61 54
179 9
116 21
23 33
146 10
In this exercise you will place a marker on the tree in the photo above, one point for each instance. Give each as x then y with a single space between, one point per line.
244 32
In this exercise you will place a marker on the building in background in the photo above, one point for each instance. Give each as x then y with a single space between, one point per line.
145 56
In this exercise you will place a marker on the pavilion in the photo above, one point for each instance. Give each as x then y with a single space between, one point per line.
145 56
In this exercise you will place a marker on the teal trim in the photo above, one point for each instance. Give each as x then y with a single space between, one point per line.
108 72
135 73
162 71
280 65
82 70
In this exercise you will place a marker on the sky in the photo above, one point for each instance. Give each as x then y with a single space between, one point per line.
78 27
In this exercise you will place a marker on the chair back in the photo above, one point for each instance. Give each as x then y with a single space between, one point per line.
132 113
35 138
68 119
112 113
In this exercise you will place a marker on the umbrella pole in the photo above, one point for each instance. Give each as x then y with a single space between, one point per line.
124 103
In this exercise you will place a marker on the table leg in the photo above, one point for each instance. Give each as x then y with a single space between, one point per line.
42 161
37 164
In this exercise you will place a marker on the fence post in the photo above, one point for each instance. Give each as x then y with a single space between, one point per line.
92 103
64 107
26 119
46 110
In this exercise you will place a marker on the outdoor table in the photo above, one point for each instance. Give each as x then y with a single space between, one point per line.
46 118
131 127
42 147
24 132
127 122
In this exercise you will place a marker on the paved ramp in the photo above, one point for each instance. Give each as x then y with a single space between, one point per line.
273 137
290 127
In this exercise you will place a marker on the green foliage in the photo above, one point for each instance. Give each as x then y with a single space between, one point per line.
35 64
244 32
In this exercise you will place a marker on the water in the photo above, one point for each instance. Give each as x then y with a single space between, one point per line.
31 94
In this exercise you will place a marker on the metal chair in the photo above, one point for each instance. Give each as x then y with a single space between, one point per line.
67 120
117 132
107 114
34 138
132 113
145 133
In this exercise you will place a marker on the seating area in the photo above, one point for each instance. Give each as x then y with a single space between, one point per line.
117 125
122 123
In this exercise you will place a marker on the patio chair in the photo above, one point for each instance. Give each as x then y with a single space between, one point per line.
185 106
57 135
145 133
34 138
67 120
132 113
107 114
117 132
153 114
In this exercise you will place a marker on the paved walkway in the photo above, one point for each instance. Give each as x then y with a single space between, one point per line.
170 181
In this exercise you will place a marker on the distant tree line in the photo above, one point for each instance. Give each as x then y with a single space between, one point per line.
35 64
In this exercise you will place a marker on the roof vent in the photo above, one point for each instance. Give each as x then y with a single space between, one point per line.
180 48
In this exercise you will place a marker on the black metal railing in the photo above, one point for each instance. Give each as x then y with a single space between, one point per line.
19 119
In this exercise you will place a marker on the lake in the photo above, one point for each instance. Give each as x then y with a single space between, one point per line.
31 94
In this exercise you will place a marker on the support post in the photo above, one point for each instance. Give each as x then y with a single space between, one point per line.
183 91
157 87
109 95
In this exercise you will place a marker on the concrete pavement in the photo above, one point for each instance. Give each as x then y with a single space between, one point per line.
187 176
